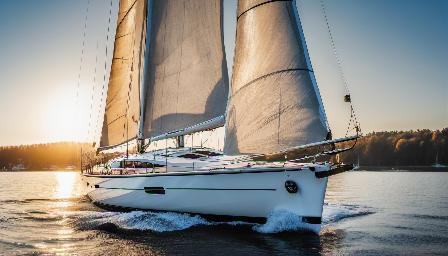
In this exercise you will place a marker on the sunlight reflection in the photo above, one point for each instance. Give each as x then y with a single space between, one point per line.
65 184
65 188
66 232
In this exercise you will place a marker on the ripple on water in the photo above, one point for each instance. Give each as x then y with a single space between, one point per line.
336 212
427 216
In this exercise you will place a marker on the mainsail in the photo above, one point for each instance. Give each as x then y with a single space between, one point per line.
274 103
122 105
186 74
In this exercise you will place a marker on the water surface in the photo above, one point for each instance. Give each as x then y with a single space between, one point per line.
369 213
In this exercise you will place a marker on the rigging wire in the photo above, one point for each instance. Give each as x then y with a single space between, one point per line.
102 102
353 119
80 69
82 50
209 135
93 93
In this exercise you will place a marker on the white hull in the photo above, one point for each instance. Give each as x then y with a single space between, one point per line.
246 192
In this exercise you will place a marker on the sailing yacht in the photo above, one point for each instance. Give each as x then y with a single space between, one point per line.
169 79
437 164
356 166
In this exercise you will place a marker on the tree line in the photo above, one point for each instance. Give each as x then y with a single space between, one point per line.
42 156
400 148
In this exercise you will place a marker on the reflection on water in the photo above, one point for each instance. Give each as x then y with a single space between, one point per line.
65 184
35 212
365 213
65 188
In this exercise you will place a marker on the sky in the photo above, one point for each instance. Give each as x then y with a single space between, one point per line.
392 53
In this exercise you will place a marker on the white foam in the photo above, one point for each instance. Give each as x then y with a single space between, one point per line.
282 220
278 221
139 220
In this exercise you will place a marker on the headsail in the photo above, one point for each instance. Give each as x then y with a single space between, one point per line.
186 75
274 103
122 104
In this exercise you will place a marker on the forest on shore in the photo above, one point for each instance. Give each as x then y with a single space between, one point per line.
400 148
393 148
43 156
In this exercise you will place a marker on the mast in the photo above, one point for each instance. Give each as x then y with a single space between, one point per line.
180 140
143 81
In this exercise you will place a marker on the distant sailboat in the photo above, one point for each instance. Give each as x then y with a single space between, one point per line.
18 167
169 79
436 163
356 166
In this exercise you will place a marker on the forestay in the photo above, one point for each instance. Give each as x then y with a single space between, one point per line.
122 105
274 103
186 75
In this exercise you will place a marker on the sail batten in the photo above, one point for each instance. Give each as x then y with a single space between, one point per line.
186 82
273 104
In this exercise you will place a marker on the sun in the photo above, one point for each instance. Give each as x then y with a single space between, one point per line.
66 117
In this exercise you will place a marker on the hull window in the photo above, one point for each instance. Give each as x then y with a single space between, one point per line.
155 190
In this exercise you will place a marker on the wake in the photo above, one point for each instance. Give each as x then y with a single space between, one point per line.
278 221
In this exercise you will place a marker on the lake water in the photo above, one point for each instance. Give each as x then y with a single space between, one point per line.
366 213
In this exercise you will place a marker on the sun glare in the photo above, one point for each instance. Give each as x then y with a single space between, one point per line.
65 117
65 184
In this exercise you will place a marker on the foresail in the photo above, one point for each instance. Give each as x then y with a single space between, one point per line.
186 79
274 102
122 104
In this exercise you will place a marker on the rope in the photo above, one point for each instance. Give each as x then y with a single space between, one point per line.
80 70
353 118
333 45
209 135
82 53
93 93
102 100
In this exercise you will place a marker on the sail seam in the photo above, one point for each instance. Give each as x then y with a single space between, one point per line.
120 36
271 74
127 12
124 115
120 58
260 4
